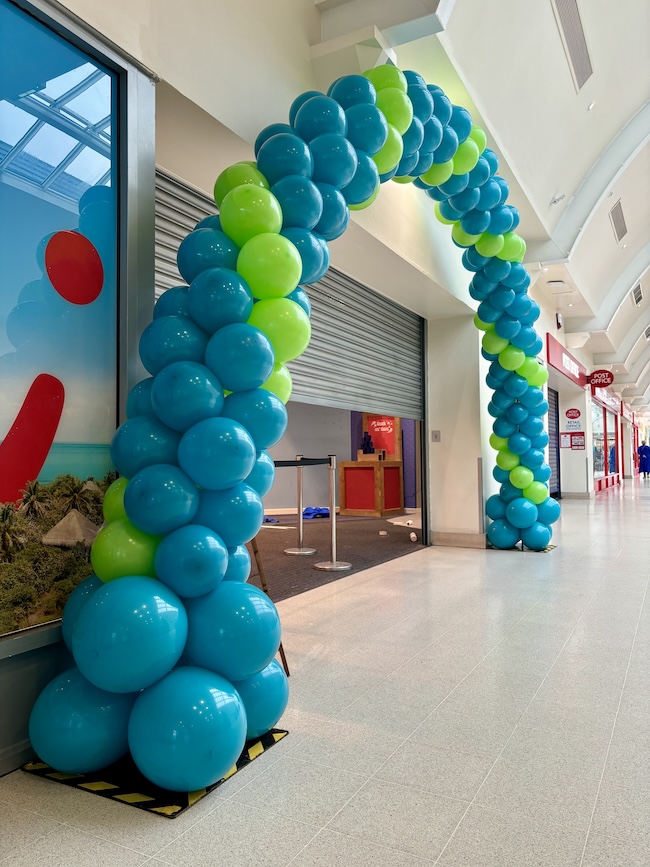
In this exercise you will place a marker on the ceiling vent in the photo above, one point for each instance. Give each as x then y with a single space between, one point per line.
618 221
647 333
569 22
637 294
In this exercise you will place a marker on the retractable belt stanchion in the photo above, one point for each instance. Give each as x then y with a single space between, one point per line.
300 549
333 565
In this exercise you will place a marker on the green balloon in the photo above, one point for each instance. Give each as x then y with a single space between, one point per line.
521 477
271 265
510 358
389 156
506 460
247 211
405 179
536 492
511 246
440 218
285 324
397 108
387 76
235 176
438 173
483 326
493 344
539 378
113 505
528 368
363 205
466 157
121 549
498 443
489 245
478 135
279 382
462 237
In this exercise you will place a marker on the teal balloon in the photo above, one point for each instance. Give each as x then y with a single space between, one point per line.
219 297
184 393
300 297
211 222
284 154
173 302
77 599
363 184
203 249
191 560
169 339
138 401
160 499
239 564
312 254
269 131
501 534
300 201
335 159
299 101
548 512
319 115
367 128
235 514
262 476
421 100
141 442
353 90
537 536
262 414
495 507
265 696
336 215
521 512
240 356
217 453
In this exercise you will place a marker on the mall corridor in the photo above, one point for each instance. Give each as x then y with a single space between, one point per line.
461 708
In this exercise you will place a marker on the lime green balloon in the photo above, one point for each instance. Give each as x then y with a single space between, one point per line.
498 443
506 460
363 205
235 176
271 265
121 549
389 156
286 325
280 382
536 492
540 378
405 179
483 326
489 245
466 157
462 237
528 368
521 477
387 76
397 108
478 135
492 343
510 358
113 505
438 174
511 246
440 218
247 211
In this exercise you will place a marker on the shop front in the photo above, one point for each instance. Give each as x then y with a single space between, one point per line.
629 442
605 414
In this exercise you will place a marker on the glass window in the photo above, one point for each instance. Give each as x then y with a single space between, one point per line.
612 456
598 432
58 313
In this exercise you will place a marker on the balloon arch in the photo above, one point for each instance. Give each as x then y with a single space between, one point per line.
174 650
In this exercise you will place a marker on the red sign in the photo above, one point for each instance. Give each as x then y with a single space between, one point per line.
382 431
573 413
578 440
606 398
601 378
562 360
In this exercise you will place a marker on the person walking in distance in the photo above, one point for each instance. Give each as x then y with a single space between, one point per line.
644 459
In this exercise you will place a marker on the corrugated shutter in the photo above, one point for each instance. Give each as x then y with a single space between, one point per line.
554 442
366 351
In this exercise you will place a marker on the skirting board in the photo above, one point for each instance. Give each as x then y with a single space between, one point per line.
459 540
578 495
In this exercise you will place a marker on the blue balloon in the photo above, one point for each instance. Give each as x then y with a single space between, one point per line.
492 160
363 184
282 155
184 393
533 459
326 253
336 215
234 514
269 131
516 385
141 442
205 248
491 382
447 148
525 337
211 222
160 499
405 166
218 297
540 442
540 409
503 428
367 128
335 159
239 564
475 259
532 315
518 414
413 137
515 217
454 186
490 195
508 492
521 305
537 536
217 453
500 475
423 165
489 356
495 507
300 201
422 102
138 401
543 474
234 631
300 297
531 426
517 277
442 108
265 696
536 348
518 443
353 90
475 222
414 78
129 634
501 534
502 298
311 253
192 560
493 410
448 212
188 730
317 116
549 511
299 101
240 356
465 200
499 372
500 220
521 513
76 727
169 339
505 189
480 173
486 312
437 195
173 302
262 414
496 269
508 327
262 476
77 599
502 399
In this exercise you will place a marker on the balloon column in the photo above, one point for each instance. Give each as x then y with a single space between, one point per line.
174 650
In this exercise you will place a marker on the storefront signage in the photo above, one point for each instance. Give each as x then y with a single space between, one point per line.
574 440
606 398
572 424
562 360
382 431
601 378
627 413
572 413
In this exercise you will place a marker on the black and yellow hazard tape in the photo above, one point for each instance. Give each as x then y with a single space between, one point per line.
123 782
521 549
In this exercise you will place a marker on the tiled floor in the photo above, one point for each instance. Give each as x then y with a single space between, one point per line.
456 707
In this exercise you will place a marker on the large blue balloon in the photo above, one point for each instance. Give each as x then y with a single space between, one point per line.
432 136
235 514
442 108
240 356
516 385
454 186
239 564
76 727
501 220
269 131
284 154
335 159
188 730
521 512
501 534
217 453
213 221
367 128
160 499
129 634
364 183
300 201
496 269
537 536
480 173
77 599
508 327
319 115
495 507
235 630
138 401
466 201
171 338
205 248
218 297
532 426
533 459
262 414
173 302
422 102
311 252
475 222
301 298
461 122
185 393
413 137
447 148
299 101
336 216
141 442
262 476
265 696
353 90
191 560
490 195
542 474
549 511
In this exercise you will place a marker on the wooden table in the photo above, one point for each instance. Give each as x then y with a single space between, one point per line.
371 489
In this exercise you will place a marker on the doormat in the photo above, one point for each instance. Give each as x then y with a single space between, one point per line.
123 782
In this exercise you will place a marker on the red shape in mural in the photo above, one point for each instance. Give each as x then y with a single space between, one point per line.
74 267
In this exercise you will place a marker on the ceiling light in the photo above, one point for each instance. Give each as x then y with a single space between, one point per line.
591 106
624 246
569 305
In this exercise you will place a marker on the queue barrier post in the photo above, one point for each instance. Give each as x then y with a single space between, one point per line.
333 565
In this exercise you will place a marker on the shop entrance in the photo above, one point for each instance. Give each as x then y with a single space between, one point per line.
555 487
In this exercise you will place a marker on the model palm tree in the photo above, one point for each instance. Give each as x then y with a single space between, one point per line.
35 499
75 497
10 538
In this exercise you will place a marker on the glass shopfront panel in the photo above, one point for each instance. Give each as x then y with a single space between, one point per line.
612 456
598 433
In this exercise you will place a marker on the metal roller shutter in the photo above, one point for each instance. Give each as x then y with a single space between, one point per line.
554 443
366 351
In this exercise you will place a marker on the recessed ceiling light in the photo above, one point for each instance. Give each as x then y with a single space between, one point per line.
569 305
624 246
591 106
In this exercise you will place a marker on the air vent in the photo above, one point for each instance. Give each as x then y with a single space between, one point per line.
569 22
647 333
637 294
618 221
